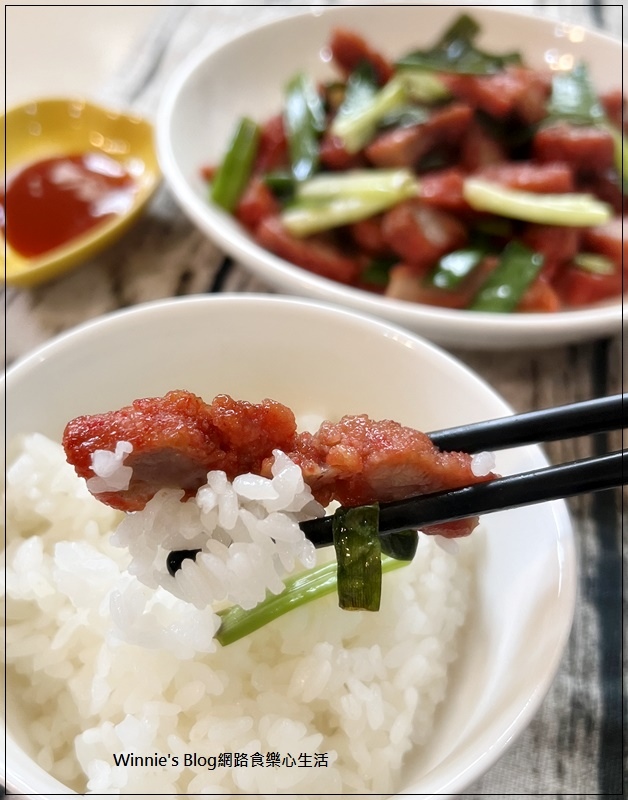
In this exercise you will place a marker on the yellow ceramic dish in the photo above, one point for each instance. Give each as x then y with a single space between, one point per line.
58 127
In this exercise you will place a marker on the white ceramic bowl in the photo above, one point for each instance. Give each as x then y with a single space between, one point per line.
323 360
212 89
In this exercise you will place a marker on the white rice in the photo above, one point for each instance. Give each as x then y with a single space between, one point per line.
110 472
482 463
108 657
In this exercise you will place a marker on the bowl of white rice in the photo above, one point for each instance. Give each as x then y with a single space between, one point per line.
115 682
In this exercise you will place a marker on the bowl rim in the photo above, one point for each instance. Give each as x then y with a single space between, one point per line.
26 271
448 326
563 529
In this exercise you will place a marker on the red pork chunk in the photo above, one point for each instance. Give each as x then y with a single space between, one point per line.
349 50
315 253
333 154
557 243
517 91
404 147
606 186
369 236
479 149
584 147
420 235
256 204
614 104
272 151
608 240
404 284
178 438
540 297
444 189
551 178
358 460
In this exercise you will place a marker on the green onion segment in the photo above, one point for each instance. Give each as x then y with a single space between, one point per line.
359 116
356 125
454 267
358 557
573 98
235 170
330 200
455 52
549 209
304 121
304 588
506 285
595 263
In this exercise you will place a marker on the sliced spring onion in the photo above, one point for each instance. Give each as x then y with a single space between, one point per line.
594 262
422 86
360 89
356 127
573 98
455 52
331 200
358 557
235 169
306 219
404 117
327 185
281 183
304 120
366 107
304 588
454 267
401 545
506 285
377 271
621 154
550 209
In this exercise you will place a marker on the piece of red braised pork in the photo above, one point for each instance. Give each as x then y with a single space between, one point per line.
177 439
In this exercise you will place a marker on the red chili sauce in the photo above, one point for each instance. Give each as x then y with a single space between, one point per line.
51 202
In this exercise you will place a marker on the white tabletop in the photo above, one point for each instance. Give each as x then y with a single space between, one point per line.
87 45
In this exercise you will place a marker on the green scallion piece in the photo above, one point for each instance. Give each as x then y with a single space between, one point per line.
281 183
573 98
330 200
358 556
377 271
401 545
453 268
306 587
455 52
405 116
356 127
360 89
304 121
568 209
506 285
235 170
422 86
594 262
620 144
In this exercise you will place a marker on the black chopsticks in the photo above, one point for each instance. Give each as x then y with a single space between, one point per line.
547 425
536 486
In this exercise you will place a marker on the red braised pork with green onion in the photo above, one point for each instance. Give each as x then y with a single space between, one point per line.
451 177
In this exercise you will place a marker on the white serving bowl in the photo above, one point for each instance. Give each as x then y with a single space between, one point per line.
327 361
246 76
